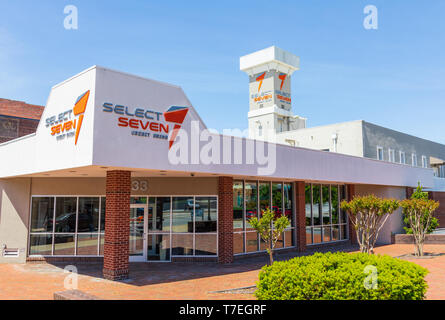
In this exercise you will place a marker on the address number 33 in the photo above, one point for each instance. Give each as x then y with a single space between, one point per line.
139 185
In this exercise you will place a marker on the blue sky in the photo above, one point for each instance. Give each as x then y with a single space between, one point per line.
393 76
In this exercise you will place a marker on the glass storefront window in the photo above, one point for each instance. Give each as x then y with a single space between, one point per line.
42 214
251 191
325 200
182 210
238 205
65 221
246 239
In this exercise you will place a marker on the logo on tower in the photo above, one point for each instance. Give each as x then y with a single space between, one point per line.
260 79
282 77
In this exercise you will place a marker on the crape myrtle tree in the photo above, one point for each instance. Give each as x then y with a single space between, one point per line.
433 224
368 214
418 213
270 227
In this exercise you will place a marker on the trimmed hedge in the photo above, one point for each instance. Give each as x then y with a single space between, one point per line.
340 276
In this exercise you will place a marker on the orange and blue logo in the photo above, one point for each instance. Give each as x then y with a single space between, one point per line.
69 123
282 77
176 115
260 80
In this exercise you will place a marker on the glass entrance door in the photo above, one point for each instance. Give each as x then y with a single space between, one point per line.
138 227
150 230
158 237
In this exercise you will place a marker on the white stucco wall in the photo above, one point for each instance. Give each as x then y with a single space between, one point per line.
394 224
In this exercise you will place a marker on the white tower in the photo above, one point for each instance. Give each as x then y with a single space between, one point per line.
270 105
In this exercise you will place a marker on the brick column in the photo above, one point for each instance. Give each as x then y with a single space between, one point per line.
225 220
117 225
300 222
352 233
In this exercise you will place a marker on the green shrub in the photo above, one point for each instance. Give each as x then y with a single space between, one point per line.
340 276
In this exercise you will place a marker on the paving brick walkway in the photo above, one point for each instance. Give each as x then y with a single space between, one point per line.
175 280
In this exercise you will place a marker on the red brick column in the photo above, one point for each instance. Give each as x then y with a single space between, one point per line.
225 220
117 225
300 222
352 233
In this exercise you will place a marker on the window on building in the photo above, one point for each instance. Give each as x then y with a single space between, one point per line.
380 153
424 162
260 130
414 159
67 226
332 225
402 157
259 195
392 155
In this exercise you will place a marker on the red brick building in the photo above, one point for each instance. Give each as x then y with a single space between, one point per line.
18 119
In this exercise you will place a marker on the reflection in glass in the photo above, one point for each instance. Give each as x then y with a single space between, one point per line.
65 214
159 214
264 190
334 204
317 235
335 233
343 214
325 205
205 244
42 214
88 216
344 232
238 242
308 235
288 203
308 204
237 206
289 238
326 234
182 244
101 244
277 199
64 245
41 245
205 214
102 213
136 231
251 241
182 208
251 203
138 200
87 244
158 247
316 195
